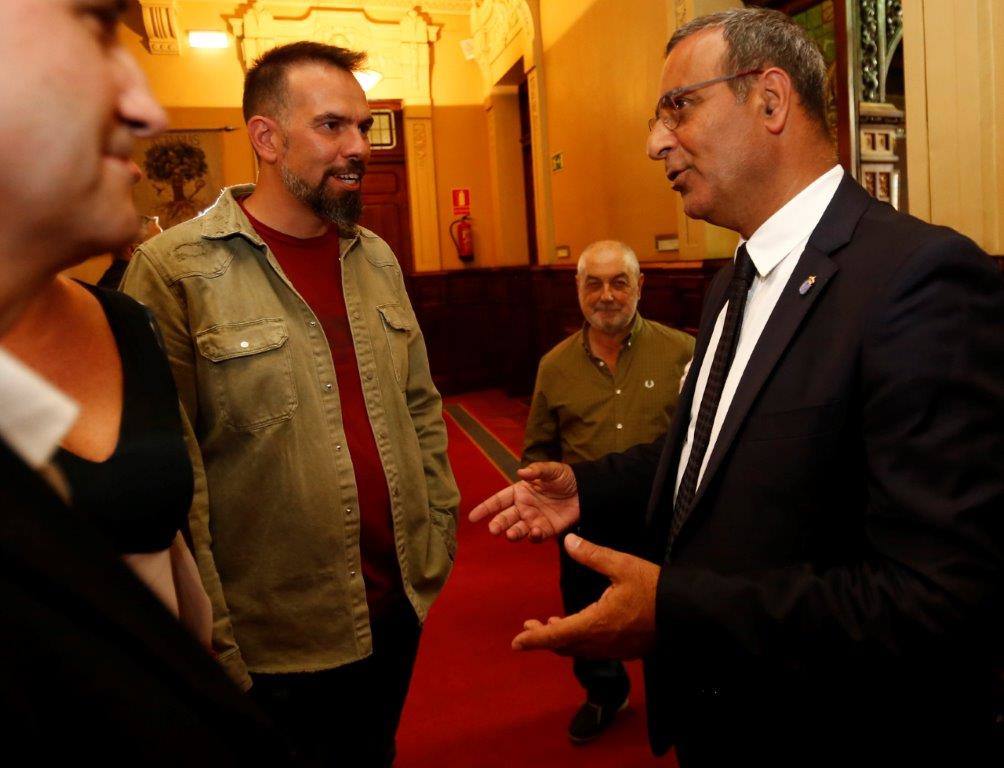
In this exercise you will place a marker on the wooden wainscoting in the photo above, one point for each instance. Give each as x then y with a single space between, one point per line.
489 327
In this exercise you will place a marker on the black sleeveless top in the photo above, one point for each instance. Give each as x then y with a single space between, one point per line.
139 497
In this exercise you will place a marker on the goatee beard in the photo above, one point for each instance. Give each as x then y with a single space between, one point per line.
342 209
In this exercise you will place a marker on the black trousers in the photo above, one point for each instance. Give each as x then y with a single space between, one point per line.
347 716
605 680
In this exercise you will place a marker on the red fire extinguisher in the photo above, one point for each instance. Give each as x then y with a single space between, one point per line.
463 237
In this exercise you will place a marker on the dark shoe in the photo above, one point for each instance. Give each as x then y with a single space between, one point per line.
592 719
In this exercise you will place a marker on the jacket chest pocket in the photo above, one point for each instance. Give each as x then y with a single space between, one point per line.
251 372
397 328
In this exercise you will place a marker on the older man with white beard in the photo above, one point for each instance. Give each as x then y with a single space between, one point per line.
605 388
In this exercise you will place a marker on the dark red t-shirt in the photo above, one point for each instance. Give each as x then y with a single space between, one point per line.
313 267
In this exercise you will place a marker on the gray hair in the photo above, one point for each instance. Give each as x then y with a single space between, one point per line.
758 38
630 260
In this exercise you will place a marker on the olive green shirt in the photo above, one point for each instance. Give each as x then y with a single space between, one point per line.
275 521
581 411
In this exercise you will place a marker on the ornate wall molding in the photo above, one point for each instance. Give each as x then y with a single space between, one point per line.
160 20
400 50
422 193
495 26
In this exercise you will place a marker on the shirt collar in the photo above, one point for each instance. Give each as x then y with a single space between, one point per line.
226 217
792 223
34 415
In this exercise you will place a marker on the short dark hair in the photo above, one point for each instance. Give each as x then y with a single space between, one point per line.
265 82
758 38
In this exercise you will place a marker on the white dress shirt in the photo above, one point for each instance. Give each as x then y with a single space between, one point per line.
774 249
34 415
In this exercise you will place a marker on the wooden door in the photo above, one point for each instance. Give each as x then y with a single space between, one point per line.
385 187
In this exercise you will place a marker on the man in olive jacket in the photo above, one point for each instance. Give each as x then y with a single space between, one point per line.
325 514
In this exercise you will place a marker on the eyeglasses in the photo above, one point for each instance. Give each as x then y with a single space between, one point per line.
672 106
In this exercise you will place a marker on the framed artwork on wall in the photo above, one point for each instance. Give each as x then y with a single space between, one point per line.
182 174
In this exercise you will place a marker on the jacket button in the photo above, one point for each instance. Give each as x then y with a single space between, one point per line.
313 323
327 387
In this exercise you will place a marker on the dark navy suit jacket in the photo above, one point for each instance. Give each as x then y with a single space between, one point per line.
838 578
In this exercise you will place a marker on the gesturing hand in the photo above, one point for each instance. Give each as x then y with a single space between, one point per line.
543 504
621 625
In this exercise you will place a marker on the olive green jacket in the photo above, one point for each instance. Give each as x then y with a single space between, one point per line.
275 521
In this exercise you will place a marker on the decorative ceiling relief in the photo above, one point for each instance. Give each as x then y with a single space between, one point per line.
399 50
495 24
160 20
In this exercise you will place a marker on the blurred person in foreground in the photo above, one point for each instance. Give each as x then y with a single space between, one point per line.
95 478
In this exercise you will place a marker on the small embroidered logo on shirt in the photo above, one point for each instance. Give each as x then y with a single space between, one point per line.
649 383
805 287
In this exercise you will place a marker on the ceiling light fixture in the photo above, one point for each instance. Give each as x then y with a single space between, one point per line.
207 39
368 78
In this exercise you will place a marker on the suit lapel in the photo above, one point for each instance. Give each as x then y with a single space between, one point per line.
834 230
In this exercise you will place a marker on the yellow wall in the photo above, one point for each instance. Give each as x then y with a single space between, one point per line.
601 67
462 161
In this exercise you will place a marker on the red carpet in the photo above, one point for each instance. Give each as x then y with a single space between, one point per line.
504 417
474 703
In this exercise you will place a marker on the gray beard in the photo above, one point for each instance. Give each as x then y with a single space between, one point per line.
343 210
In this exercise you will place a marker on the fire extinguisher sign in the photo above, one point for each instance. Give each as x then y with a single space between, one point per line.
461 202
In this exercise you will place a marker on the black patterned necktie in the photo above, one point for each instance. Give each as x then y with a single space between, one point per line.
742 278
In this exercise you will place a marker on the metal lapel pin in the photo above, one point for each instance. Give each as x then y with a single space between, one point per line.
805 287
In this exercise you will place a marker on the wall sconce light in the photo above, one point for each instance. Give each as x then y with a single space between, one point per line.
206 39
368 78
